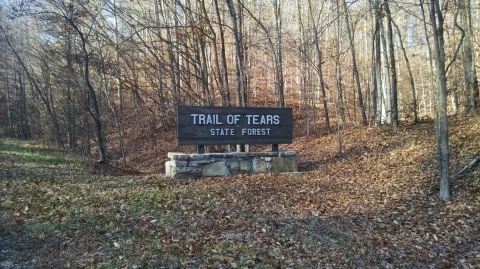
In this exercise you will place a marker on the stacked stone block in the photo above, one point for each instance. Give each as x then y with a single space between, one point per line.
182 165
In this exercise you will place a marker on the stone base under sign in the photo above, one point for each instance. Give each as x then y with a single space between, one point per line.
182 165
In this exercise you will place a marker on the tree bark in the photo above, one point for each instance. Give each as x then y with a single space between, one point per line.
279 83
393 69
377 67
224 69
355 67
338 69
92 106
241 79
436 19
9 113
319 67
430 59
469 72
410 74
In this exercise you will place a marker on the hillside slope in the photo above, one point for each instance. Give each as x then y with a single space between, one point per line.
375 206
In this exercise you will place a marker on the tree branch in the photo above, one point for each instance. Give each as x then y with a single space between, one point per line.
454 57
469 166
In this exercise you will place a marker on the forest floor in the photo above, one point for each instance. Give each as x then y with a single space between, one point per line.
376 206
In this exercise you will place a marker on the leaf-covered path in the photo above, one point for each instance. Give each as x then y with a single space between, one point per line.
376 206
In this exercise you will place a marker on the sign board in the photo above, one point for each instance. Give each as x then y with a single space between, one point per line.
233 125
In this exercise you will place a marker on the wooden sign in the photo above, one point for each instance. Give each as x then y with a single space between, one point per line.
233 125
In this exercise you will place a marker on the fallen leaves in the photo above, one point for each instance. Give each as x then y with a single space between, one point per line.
377 206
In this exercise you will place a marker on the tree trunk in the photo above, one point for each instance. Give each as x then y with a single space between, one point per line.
410 74
385 99
355 67
218 68
436 19
174 65
430 60
241 82
377 67
92 106
319 66
22 111
9 113
279 83
338 69
71 128
393 69
469 72
224 69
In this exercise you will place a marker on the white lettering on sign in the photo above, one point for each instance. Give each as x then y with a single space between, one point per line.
205 119
233 119
256 131
263 119
194 116
222 131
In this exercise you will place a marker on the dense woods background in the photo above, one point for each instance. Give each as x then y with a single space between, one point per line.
93 76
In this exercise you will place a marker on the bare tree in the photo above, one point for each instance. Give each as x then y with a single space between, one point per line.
279 83
436 19
319 67
240 65
470 76
355 66
393 68
410 73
